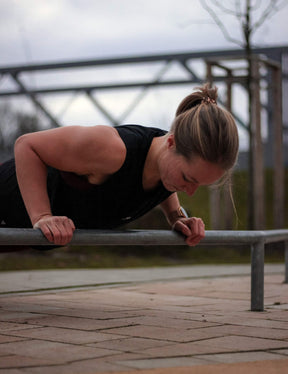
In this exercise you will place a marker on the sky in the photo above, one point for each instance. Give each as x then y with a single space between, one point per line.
34 31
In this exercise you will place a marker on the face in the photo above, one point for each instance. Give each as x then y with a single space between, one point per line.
179 174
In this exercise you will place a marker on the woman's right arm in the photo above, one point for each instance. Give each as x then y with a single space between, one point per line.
83 150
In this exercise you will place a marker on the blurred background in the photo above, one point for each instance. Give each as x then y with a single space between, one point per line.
41 43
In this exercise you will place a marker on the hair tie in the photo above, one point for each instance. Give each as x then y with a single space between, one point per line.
208 100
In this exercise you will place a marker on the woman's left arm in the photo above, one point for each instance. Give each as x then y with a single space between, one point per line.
193 228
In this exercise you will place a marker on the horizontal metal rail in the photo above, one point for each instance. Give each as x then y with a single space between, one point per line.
138 59
256 240
17 236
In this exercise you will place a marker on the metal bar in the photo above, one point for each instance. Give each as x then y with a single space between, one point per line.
272 236
194 76
141 59
257 276
36 102
21 236
144 92
102 109
146 84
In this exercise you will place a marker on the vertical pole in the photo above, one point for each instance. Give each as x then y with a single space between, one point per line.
257 276
215 203
227 199
278 198
286 262
257 150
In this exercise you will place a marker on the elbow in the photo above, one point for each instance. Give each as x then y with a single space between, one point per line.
22 144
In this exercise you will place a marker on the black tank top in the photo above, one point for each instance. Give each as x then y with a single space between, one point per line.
120 199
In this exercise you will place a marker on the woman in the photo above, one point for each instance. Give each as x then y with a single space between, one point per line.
102 177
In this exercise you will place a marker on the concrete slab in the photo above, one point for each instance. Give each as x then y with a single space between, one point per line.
164 324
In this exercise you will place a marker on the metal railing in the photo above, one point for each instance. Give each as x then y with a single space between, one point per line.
256 239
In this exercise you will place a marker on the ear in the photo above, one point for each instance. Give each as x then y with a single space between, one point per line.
171 141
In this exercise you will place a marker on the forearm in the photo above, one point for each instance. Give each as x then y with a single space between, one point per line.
172 209
32 180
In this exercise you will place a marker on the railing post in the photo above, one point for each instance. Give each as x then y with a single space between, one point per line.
257 276
286 261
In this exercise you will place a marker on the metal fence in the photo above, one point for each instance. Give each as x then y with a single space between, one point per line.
255 239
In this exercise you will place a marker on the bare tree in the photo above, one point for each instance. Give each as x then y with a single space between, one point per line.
250 15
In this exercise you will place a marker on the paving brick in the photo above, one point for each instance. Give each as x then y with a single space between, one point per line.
266 333
18 316
174 315
53 351
13 371
6 326
122 356
19 361
63 335
215 345
242 343
83 323
281 351
82 367
130 344
96 314
252 322
177 323
184 349
7 339
241 357
165 362
153 332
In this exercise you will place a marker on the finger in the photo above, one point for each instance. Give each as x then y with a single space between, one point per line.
46 232
195 238
57 234
197 226
182 227
69 227
62 231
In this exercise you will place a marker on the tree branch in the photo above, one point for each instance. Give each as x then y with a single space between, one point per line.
220 24
272 8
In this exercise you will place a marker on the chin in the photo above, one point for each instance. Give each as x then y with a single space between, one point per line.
171 188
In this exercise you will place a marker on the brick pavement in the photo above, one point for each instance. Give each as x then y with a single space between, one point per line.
161 327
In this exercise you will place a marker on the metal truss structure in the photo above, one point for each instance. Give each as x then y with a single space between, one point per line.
17 75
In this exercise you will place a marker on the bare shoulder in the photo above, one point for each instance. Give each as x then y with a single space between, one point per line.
81 149
104 147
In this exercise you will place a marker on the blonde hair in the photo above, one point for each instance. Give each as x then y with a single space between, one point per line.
201 128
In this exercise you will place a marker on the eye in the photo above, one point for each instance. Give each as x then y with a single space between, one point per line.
184 177
192 182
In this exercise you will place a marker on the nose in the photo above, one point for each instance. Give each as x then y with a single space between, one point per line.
190 189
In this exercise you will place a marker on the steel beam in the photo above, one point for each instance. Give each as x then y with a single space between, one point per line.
141 59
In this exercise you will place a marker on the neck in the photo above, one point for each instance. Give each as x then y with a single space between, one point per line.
151 175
